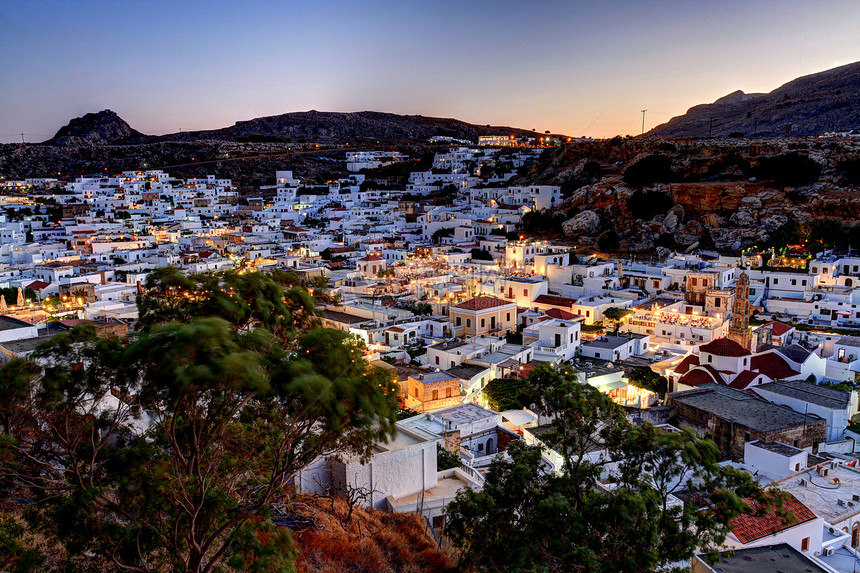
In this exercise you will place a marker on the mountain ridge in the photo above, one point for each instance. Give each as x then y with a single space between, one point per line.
107 128
806 106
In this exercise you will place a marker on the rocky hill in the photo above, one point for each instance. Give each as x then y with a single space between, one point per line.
102 128
365 127
808 106
725 194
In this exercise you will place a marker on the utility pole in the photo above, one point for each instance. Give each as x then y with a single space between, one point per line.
643 121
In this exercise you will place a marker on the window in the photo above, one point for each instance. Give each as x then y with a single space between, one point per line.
693 282
483 321
746 436
776 281
508 317
710 358
804 544
597 355
480 447
435 394
855 535
438 522
525 292
796 443
447 392
793 282
437 360
797 467
459 321
803 282
468 323
745 361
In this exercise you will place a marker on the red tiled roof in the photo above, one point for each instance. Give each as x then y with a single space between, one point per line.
743 380
724 347
38 285
555 300
697 377
482 303
773 366
747 527
395 329
778 328
687 363
561 313
371 258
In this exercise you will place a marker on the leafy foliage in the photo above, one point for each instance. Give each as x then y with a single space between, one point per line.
445 460
649 170
789 169
481 255
165 449
528 519
508 394
645 378
608 240
646 204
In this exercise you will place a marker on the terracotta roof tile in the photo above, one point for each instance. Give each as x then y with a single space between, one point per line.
724 347
747 527
773 366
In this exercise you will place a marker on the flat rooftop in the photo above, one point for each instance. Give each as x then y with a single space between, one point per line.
9 323
463 414
781 557
822 495
26 345
809 392
741 408
777 448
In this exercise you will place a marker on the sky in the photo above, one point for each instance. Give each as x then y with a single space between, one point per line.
581 68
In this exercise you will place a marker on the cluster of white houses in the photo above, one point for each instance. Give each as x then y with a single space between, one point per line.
451 298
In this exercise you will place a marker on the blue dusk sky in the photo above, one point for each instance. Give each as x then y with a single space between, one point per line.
578 68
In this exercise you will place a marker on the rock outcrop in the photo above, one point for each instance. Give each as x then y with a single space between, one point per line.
585 223
102 128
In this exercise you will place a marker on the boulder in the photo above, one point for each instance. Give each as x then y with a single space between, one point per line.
742 218
585 223
673 218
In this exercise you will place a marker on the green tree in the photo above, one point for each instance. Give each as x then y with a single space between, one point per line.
645 378
164 450
528 519
649 170
245 300
445 460
608 240
508 394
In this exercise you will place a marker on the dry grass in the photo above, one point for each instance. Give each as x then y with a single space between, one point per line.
372 541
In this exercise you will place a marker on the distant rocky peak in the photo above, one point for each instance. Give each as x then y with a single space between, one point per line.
99 128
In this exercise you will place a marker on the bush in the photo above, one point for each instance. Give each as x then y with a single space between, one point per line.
649 170
789 169
646 204
481 255
666 240
608 240
851 169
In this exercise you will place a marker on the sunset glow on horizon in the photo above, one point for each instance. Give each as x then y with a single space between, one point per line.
575 68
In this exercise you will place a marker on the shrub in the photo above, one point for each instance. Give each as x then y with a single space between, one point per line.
789 169
646 204
649 170
608 240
